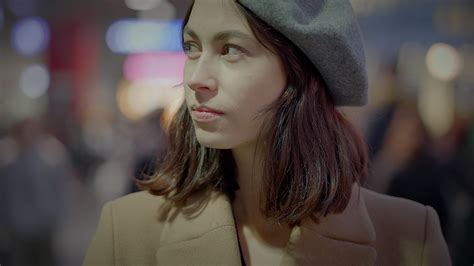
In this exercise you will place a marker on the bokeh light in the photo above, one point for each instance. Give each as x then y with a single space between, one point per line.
136 36
140 5
436 106
30 36
159 65
34 80
138 99
443 62
170 111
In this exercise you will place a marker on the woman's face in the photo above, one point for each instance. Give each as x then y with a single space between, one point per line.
227 70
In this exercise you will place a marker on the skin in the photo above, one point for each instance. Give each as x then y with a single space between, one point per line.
239 77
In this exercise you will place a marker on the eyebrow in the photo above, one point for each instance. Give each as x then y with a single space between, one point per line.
223 35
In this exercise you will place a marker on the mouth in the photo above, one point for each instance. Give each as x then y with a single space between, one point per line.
206 109
205 114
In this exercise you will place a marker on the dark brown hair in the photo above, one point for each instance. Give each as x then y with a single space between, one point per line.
314 154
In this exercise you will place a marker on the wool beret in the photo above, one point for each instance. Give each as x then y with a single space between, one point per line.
328 33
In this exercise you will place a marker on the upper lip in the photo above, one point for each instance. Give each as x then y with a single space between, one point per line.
203 108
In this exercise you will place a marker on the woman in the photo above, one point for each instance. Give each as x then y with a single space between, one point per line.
262 168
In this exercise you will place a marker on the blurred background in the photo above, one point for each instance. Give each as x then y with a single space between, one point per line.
86 92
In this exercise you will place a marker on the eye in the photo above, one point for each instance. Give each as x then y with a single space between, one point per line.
187 47
232 50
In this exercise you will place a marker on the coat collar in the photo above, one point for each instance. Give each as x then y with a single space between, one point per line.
209 237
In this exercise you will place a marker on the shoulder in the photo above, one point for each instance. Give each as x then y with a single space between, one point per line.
137 212
394 209
406 229
128 231
138 203
396 217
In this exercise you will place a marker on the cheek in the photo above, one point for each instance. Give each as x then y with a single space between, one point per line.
253 97
257 92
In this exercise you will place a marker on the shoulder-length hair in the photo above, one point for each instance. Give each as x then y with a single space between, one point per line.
313 153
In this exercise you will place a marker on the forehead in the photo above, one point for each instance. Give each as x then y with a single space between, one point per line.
210 16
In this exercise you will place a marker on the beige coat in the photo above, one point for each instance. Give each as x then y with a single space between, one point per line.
374 229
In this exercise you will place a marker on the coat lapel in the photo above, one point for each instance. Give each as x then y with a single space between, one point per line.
209 237
346 238
206 236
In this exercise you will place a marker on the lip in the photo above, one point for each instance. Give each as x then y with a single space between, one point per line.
205 116
204 108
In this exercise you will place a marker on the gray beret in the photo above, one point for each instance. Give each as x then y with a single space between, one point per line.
328 33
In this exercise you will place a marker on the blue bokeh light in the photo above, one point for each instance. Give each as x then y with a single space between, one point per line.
30 36
137 36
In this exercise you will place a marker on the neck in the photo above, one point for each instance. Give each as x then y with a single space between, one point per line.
248 159
246 206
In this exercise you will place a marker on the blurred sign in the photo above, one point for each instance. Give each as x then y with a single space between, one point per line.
135 36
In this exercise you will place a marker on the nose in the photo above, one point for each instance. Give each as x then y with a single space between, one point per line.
201 76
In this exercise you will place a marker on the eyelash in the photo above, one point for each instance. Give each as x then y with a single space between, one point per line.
187 46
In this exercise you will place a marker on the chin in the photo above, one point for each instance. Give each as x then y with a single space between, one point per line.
214 141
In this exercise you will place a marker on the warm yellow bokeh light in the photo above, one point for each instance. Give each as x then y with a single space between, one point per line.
169 112
138 99
436 106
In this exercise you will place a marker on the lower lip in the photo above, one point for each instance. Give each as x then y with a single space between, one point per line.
205 116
